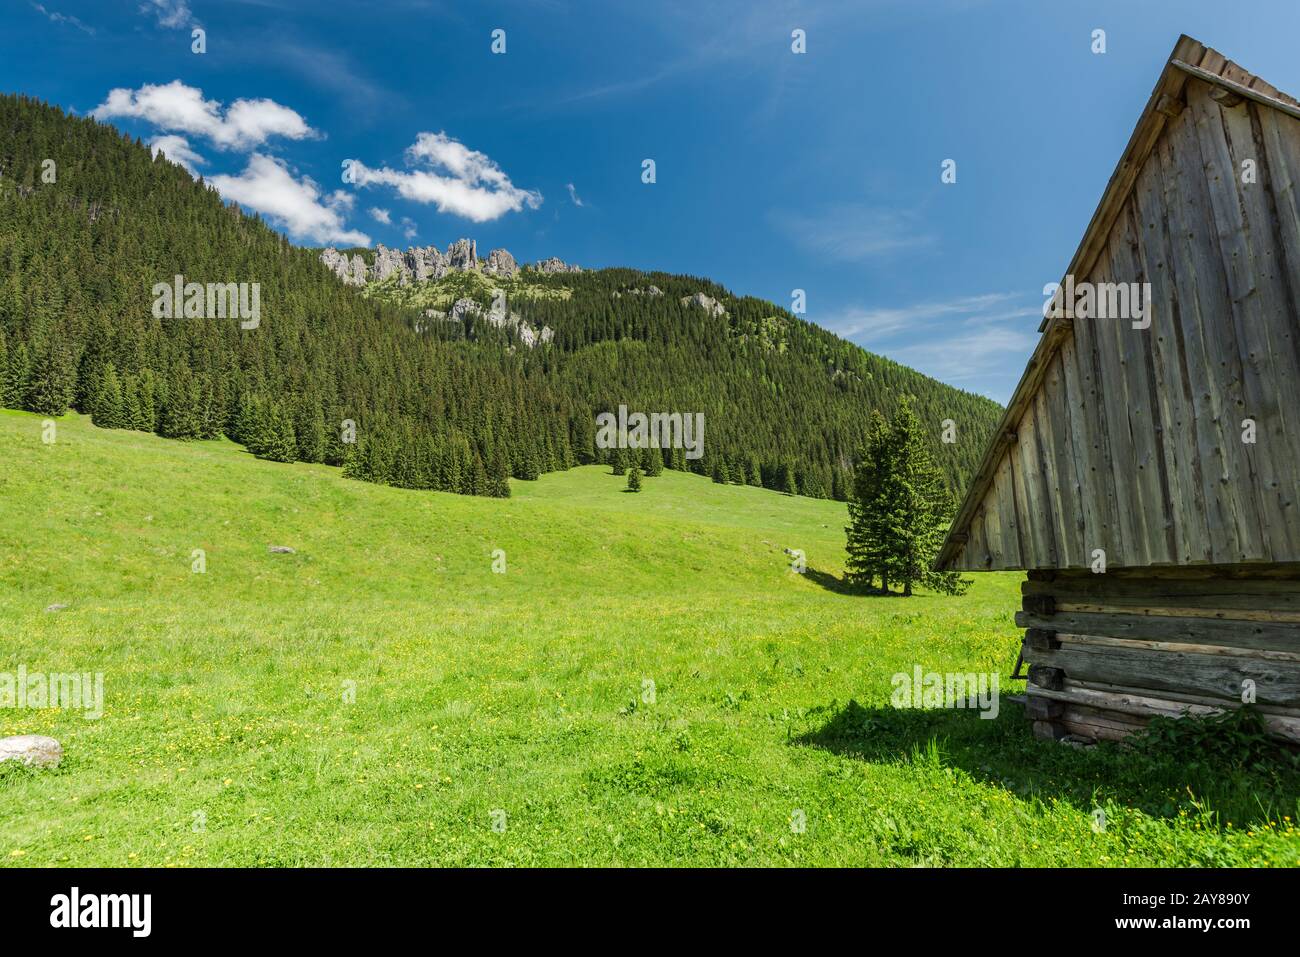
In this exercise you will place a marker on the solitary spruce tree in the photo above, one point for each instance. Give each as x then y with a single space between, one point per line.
634 479
900 510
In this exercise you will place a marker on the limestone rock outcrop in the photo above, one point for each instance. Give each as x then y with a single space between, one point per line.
462 254
501 263
425 263
556 264
707 303
422 263
389 262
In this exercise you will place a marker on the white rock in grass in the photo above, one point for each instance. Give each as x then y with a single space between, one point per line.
279 549
33 750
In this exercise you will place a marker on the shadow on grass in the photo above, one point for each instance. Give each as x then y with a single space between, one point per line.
1213 790
842 586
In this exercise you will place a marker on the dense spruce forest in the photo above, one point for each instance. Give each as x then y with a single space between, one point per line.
436 403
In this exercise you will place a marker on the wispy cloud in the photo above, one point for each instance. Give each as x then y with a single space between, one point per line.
452 177
573 195
56 17
169 13
329 70
977 342
380 215
879 323
852 232
705 36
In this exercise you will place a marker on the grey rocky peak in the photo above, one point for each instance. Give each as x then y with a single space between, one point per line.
707 303
556 264
462 254
426 263
335 262
352 271
501 263
389 262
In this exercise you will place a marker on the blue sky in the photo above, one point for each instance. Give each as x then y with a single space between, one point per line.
775 171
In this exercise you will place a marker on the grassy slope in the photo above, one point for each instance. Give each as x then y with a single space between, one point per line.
478 691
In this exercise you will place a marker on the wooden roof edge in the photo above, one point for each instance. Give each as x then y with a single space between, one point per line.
1188 58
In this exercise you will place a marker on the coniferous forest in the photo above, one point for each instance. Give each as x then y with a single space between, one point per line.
369 382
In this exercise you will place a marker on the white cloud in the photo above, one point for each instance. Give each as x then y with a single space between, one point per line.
454 178
573 194
182 109
177 149
381 215
267 186
408 227
170 13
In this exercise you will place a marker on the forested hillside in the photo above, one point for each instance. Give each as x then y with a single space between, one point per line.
436 402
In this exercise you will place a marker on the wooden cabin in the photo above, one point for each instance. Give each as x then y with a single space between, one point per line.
1170 451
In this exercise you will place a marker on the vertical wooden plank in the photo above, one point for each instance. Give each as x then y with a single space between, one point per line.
1004 484
993 527
1228 339
1099 483
1178 442
1213 369
1038 505
976 551
1030 556
1279 137
1271 329
1155 509
1119 432
1247 287
1090 523
1058 471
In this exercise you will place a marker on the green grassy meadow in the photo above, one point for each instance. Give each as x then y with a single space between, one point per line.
227 739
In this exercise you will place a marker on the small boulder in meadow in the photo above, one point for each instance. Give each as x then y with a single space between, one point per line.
33 750
279 549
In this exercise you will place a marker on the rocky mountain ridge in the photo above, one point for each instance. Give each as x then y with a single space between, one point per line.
423 263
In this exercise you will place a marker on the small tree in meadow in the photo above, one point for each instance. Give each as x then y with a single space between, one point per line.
634 479
900 510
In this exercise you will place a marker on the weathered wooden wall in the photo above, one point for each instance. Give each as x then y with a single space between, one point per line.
1132 442
1108 652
